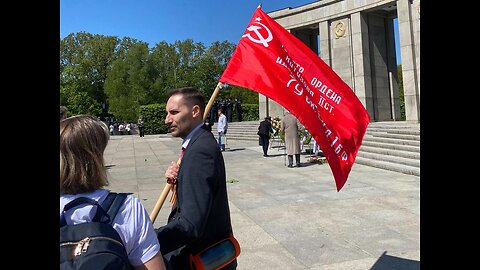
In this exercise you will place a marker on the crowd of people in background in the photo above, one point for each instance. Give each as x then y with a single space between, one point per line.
122 128
222 110
228 106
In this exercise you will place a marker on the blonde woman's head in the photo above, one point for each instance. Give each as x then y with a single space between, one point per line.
83 139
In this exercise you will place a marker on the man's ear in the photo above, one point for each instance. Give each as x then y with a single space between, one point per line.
196 111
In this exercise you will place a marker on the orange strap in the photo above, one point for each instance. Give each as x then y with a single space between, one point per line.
197 263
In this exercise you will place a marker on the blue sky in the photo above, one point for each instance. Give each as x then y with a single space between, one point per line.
153 21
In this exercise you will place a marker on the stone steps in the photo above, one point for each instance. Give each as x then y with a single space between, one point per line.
393 146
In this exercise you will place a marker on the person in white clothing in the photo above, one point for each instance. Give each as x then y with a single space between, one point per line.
112 128
121 129
222 126
83 140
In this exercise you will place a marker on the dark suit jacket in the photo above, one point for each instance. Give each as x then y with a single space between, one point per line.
265 128
201 216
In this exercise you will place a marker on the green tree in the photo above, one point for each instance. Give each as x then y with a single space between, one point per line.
79 102
127 83
221 52
246 95
189 54
84 62
212 65
163 63
102 75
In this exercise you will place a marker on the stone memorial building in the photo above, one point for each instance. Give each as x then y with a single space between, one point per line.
356 39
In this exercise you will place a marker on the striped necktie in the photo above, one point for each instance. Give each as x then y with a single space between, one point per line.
181 155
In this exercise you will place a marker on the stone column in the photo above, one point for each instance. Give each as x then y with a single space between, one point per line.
362 76
409 28
269 107
341 49
324 32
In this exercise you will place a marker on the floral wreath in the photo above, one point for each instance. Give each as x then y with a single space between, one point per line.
277 123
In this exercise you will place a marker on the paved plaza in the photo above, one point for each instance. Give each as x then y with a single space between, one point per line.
290 218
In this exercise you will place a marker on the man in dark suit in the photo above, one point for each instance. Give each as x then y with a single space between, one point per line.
200 215
264 131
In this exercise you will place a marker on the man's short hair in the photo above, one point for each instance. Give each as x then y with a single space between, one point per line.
191 95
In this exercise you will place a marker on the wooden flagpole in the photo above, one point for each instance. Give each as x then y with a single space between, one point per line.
168 186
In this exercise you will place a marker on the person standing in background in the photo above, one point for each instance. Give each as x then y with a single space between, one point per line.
229 109
222 126
213 112
121 129
111 128
141 126
290 126
128 128
238 109
264 131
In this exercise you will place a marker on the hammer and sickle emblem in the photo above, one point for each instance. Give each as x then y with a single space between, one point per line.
261 39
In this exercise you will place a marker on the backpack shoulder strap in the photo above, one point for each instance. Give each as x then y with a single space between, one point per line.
105 212
78 201
112 204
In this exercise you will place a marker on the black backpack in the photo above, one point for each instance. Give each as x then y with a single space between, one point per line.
96 244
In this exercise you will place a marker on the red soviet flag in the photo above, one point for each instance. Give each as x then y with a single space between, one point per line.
271 61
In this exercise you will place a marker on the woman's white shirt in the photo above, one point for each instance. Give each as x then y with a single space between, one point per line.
132 223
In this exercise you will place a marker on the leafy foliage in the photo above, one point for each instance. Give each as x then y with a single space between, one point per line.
154 116
126 82
79 102
84 62
236 92
108 76
249 112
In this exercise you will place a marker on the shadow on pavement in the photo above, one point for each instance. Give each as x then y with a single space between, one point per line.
276 155
234 149
308 164
390 262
